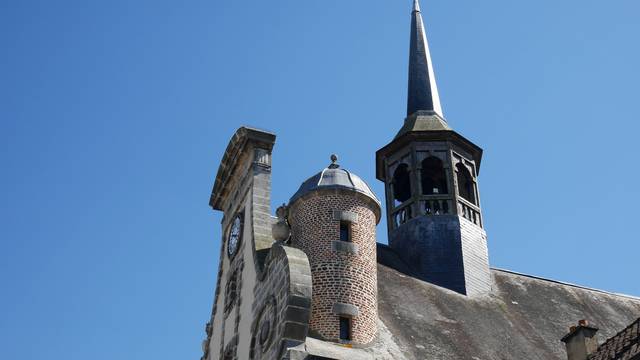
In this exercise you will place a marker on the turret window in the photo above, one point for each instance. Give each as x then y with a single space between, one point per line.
466 187
434 180
345 231
401 184
345 328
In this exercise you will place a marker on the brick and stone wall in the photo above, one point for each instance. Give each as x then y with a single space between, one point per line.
344 273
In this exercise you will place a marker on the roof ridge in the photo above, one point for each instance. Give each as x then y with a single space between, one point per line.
567 284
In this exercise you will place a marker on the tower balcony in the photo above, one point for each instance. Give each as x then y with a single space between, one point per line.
435 205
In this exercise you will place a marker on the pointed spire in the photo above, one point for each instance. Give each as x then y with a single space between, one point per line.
423 91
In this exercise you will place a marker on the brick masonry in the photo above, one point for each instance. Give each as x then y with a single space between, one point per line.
339 277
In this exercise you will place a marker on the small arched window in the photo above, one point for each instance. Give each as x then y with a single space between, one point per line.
434 180
466 187
401 184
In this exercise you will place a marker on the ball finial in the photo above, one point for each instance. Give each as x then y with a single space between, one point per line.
334 159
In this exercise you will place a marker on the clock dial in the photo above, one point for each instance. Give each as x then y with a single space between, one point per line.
234 236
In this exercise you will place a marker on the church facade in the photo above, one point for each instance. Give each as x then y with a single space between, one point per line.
313 283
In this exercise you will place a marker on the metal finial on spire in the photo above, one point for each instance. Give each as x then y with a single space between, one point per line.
334 160
423 91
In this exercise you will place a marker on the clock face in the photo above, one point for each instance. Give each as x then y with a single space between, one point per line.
234 236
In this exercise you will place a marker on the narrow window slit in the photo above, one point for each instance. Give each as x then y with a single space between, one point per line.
345 231
345 328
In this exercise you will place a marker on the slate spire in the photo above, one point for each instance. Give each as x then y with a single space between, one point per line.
423 91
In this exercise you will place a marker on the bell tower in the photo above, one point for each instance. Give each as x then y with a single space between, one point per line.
430 173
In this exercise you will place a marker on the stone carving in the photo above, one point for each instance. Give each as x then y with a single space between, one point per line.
264 332
231 293
262 157
281 230
282 303
231 349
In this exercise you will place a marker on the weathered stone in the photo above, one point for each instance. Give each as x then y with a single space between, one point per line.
345 309
344 247
345 216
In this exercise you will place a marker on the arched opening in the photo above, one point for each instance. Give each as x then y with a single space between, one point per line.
401 184
465 184
434 180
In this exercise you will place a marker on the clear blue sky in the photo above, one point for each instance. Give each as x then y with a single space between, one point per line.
114 116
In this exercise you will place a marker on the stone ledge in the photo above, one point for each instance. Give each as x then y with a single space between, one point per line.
345 309
345 216
344 247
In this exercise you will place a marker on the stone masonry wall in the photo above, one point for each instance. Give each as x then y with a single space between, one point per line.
281 304
344 275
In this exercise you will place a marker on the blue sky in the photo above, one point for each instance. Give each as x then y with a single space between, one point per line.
114 116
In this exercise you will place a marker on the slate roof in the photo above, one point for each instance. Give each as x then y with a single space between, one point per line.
334 177
523 318
625 345
423 121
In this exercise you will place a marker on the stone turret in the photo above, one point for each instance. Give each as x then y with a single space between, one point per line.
333 219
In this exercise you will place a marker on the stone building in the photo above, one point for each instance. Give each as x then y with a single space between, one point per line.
313 283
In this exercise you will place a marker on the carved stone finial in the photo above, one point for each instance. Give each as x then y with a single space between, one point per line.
281 230
281 212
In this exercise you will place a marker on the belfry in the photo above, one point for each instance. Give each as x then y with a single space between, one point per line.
430 173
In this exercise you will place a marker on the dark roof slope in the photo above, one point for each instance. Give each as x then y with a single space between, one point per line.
523 318
624 345
334 177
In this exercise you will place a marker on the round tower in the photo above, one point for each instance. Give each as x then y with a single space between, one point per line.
333 218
